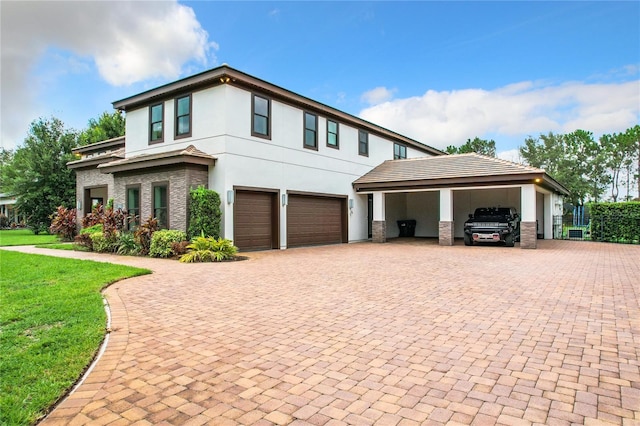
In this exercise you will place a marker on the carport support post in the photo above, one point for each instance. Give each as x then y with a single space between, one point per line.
445 227
528 235
379 223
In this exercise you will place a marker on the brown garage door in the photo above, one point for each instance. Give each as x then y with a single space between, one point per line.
315 220
255 225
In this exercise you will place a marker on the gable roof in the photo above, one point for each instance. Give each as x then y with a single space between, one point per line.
188 155
226 75
451 171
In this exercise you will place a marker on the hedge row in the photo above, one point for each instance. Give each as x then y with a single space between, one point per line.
615 222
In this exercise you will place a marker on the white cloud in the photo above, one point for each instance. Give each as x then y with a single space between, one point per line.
512 155
447 118
128 41
377 96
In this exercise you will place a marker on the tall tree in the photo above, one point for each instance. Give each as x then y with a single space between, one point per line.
107 126
574 160
477 145
38 175
6 157
621 150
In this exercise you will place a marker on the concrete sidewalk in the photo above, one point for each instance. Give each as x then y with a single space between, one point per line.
402 333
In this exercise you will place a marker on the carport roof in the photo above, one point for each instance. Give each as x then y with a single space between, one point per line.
461 170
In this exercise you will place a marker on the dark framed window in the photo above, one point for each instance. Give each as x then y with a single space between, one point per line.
310 131
160 204
399 151
261 117
183 116
133 207
156 127
363 143
333 139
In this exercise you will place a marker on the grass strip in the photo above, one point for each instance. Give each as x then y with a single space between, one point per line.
52 322
24 237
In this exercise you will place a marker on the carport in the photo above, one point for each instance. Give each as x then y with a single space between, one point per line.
439 192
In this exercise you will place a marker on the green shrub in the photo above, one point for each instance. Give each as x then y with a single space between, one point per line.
103 244
209 249
127 244
204 213
83 239
92 229
162 241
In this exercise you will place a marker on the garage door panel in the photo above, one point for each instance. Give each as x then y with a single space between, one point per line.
253 220
314 220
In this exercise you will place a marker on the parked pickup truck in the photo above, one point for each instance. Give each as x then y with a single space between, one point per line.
492 225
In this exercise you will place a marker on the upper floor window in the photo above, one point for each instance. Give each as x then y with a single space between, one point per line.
332 134
399 151
363 143
183 116
161 204
156 129
310 131
261 117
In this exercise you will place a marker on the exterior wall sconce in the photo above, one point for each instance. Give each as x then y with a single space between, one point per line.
79 204
230 196
285 200
350 203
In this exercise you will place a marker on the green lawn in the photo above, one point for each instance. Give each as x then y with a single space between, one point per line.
52 322
24 237
63 246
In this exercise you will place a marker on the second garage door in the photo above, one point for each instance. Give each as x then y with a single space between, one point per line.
315 220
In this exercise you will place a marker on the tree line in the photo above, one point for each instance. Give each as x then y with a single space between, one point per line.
36 172
590 169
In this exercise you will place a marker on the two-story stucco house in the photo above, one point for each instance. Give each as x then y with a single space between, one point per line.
292 171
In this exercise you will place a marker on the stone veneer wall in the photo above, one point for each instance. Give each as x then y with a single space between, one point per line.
379 231
180 180
445 233
91 178
528 235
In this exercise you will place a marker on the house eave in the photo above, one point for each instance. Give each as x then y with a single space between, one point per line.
100 146
227 75
474 181
157 162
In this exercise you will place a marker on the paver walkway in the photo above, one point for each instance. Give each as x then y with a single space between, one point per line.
401 333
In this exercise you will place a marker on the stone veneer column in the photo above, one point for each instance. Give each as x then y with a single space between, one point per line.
528 237
445 233
379 231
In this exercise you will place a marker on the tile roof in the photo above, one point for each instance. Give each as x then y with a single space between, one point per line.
96 159
189 154
460 169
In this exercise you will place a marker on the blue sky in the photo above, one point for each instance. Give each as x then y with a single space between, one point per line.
440 72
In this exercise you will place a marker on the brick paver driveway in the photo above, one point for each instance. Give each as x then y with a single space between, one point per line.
400 333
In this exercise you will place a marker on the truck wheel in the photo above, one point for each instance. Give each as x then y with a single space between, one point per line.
508 240
467 240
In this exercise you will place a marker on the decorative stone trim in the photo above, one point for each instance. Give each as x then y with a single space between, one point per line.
445 233
379 231
528 237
